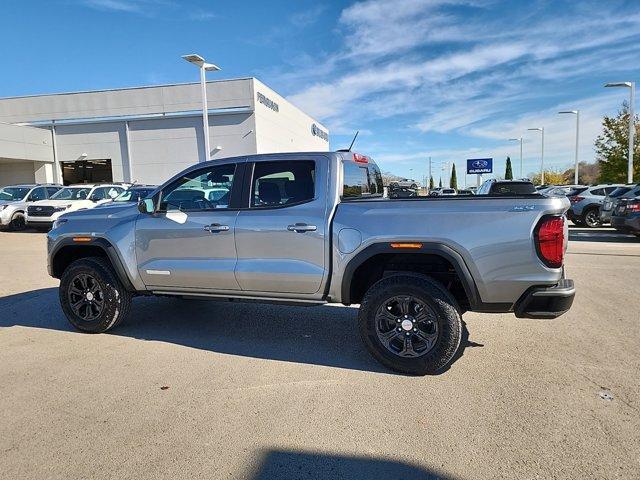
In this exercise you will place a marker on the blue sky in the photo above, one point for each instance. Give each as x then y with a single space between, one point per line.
450 79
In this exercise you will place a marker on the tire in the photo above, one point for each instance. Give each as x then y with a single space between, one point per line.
438 318
591 218
414 186
101 284
17 222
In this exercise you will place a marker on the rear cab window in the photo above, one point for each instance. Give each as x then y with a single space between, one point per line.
361 178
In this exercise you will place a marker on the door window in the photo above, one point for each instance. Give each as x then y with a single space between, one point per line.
205 189
38 194
282 183
51 190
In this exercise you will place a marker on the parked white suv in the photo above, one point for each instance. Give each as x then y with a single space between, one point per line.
43 213
14 200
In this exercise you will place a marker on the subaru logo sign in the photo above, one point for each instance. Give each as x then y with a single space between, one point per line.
479 165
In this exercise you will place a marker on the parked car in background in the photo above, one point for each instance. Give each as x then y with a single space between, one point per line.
466 192
563 190
506 187
402 192
405 182
14 200
585 206
131 195
43 213
610 202
434 192
626 213
447 192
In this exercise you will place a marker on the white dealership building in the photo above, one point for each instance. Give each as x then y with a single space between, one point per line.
145 134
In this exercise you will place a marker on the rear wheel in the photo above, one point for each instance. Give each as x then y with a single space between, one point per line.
592 218
92 297
410 324
17 222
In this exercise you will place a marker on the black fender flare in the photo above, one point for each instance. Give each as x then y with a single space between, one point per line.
109 250
434 248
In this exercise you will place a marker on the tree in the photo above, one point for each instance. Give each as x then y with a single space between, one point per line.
431 182
440 183
453 181
508 174
612 147
551 177
588 173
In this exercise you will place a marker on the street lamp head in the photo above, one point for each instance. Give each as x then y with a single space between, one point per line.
619 84
199 61
575 112
515 139
539 129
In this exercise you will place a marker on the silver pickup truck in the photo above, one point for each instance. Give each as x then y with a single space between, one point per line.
315 228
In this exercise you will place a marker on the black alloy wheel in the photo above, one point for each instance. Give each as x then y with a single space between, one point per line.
86 297
406 326
592 219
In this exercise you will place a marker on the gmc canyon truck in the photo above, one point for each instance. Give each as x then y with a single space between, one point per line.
315 228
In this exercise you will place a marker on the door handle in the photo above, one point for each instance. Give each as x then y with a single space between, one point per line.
216 227
301 228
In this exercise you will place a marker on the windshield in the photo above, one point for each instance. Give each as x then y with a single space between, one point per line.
72 193
133 195
13 193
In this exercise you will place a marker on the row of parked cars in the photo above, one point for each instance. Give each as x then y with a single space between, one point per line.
597 205
39 205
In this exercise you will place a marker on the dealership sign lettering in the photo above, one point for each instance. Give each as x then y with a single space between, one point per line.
316 131
267 102
479 165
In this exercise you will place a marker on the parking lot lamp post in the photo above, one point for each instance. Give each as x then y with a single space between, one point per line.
541 130
632 94
204 67
519 140
577 114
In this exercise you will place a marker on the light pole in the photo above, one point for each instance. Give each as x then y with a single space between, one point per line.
632 94
577 114
519 140
541 130
204 67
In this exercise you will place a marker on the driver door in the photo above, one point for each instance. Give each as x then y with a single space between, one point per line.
188 244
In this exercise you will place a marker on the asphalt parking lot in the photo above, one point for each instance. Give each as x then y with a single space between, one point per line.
197 389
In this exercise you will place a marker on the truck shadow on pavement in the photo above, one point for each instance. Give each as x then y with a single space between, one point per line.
326 335
286 464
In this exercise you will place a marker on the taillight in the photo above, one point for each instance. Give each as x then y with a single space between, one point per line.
360 158
549 237
633 207
576 199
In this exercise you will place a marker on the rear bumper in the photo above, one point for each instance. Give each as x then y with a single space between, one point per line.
546 302
605 215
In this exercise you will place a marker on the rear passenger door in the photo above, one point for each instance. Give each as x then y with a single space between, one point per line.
280 237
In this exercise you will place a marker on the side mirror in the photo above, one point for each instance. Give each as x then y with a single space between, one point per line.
146 205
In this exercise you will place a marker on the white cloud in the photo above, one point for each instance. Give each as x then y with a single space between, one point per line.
474 70
307 17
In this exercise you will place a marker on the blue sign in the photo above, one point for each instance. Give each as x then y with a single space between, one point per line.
479 165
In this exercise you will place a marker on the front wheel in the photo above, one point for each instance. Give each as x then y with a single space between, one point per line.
17 222
92 297
410 324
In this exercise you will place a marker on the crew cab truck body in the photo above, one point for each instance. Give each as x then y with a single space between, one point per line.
314 228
